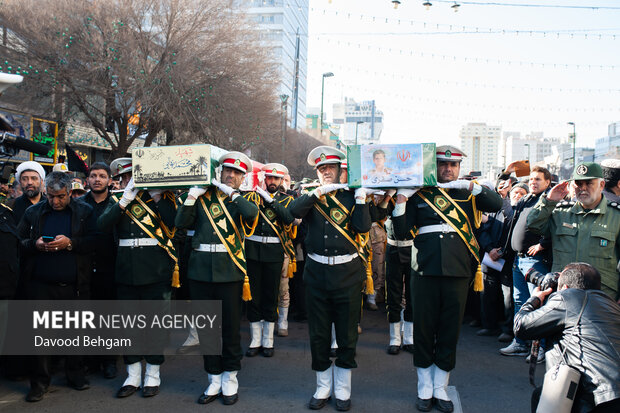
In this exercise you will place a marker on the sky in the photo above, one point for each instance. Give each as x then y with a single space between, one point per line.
526 69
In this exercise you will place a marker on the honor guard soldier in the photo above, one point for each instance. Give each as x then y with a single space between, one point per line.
265 251
217 265
398 281
444 256
334 273
122 170
587 230
143 221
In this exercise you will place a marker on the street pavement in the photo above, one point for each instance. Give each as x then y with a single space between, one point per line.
485 380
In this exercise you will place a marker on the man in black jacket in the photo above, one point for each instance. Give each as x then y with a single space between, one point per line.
530 249
9 245
103 286
57 238
591 344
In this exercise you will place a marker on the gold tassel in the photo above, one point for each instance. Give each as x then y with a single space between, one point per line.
292 267
176 283
247 295
370 288
478 284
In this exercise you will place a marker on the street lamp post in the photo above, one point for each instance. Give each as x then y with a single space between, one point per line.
357 123
327 74
283 100
574 144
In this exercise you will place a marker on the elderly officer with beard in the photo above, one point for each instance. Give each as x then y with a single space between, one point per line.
587 230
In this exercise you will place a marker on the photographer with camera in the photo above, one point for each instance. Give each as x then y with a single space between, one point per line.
582 325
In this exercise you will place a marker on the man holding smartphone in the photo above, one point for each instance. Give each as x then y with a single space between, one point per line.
57 238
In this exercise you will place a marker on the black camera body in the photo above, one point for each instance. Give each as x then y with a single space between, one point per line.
544 281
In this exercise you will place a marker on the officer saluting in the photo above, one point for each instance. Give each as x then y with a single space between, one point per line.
333 274
145 259
217 264
265 251
444 255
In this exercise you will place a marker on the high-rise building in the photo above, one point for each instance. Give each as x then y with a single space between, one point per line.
360 123
284 28
481 144
609 146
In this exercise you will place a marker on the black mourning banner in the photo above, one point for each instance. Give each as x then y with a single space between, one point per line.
105 327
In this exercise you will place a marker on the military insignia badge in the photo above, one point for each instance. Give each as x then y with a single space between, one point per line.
337 215
322 156
582 170
448 153
275 171
440 202
137 211
270 214
215 210
237 162
147 221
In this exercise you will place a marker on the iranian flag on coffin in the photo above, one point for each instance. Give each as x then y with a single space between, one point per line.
392 166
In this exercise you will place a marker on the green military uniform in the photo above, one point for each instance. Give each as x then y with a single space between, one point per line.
265 255
333 292
212 273
397 281
578 235
442 266
143 272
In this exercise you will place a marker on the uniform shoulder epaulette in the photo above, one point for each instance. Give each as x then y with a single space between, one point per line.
565 204
614 204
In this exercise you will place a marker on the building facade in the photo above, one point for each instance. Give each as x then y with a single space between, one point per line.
359 123
481 144
284 28
609 146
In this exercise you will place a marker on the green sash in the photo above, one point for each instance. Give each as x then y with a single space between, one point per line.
339 216
451 213
224 226
281 231
151 223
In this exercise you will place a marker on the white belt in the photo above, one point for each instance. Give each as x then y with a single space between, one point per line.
264 240
190 232
211 248
333 260
137 242
435 228
405 243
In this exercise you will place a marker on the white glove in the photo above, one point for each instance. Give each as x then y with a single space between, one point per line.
223 187
326 189
360 195
390 192
264 194
129 194
407 192
458 184
194 193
